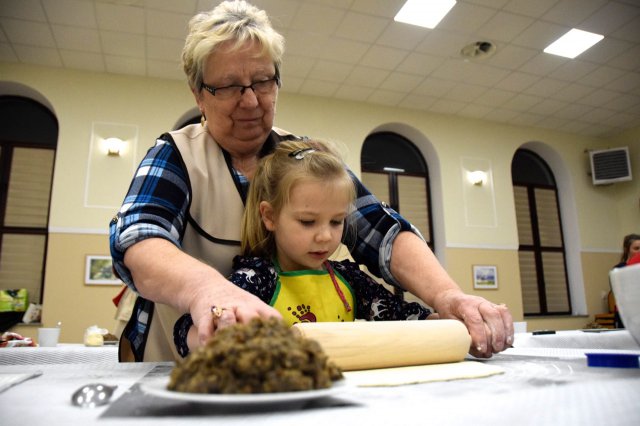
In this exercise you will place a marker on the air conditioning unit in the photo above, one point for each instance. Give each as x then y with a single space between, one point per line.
610 165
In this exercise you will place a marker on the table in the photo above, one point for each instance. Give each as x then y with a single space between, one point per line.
61 354
592 339
537 388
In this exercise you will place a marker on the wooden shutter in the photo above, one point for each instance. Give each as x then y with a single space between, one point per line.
29 188
412 194
377 184
26 218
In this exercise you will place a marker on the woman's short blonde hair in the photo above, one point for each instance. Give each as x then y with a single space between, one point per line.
291 163
237 21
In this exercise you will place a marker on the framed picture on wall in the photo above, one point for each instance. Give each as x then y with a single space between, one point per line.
98 271
485 277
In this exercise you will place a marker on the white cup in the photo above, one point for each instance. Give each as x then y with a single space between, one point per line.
520 327
48 337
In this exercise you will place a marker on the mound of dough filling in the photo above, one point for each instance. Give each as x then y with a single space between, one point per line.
259 357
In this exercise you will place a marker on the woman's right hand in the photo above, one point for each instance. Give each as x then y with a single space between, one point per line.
223 304
176 279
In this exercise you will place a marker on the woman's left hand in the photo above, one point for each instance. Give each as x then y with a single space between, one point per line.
490 325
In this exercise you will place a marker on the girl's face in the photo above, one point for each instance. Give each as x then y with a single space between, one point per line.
634 248
309 228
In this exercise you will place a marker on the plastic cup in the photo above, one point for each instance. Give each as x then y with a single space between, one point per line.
48 337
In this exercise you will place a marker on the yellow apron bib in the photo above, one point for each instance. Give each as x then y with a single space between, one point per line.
312 296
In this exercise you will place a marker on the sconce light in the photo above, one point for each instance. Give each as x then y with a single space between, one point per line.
114 146
477 177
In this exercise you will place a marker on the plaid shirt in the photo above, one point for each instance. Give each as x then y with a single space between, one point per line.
157 204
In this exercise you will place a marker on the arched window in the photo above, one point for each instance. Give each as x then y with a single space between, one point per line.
543 272
394 170
28 139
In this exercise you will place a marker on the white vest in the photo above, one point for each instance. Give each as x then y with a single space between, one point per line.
212 233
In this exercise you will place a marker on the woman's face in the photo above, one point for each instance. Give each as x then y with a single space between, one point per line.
633 249
242 123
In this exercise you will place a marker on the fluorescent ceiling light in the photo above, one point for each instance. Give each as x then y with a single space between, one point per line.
573 43
424 13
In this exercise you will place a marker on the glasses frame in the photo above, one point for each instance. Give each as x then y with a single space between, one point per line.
242 88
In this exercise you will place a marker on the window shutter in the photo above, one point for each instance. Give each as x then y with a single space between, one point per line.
29 188
25 223
529 282
548 220
377 184
523 215
555 282
412 191
22 262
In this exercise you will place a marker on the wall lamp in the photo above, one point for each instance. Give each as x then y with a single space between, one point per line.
114 146
477 177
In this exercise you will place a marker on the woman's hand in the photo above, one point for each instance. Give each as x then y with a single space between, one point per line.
176 279
224 304
418 271
490 325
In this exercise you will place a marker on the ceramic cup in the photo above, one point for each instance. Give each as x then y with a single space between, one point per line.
48 337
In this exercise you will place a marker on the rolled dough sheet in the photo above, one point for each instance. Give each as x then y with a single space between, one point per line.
398 376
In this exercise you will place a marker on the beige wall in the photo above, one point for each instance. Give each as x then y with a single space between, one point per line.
66 298
87 186
506 261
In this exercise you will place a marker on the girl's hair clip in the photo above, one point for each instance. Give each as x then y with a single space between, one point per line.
299 154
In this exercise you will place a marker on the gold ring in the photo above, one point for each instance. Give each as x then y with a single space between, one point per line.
216 311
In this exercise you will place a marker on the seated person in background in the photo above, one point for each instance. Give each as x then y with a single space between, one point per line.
634 259
630 250
297 211
630 247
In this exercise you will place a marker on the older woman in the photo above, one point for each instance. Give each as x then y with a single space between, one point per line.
179 227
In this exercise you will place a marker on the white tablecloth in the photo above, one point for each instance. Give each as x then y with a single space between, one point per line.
534 390
61 354
591 339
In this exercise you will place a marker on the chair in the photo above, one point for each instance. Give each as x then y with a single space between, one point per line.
608 320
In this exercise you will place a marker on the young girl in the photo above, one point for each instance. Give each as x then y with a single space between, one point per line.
296 212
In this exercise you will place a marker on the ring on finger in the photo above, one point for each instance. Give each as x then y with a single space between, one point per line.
217 311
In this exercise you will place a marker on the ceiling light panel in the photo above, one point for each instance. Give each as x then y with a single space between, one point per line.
424 13
573 43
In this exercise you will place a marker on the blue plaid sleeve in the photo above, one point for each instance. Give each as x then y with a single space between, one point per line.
154 207
377 226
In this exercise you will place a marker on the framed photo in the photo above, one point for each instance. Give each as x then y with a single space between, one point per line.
485 277
98 271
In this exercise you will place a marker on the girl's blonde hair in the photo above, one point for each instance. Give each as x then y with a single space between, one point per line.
291 162
238 21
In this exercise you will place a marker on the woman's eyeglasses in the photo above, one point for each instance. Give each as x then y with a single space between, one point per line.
235 91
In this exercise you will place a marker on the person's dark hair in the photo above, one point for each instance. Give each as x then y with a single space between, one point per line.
626 246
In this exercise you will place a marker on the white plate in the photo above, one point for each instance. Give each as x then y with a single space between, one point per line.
159 388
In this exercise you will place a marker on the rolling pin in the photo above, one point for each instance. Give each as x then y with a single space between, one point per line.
365 345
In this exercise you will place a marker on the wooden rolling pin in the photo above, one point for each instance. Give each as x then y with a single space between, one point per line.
365 345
